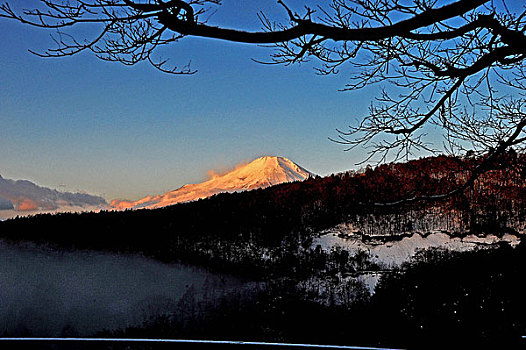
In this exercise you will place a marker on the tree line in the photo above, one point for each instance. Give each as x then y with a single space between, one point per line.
269 230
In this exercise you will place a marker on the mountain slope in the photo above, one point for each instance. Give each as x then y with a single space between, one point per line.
261 172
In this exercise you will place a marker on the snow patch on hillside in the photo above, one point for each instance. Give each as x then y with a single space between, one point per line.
395 253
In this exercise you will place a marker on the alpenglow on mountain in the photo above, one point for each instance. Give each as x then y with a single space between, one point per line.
261 172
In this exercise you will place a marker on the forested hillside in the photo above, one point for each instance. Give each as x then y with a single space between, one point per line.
264 230
300 292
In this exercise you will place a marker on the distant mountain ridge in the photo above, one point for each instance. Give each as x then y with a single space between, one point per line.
260 173
25 196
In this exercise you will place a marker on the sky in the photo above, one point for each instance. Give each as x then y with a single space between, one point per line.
82 124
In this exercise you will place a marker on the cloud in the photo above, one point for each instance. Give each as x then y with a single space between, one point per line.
26 196
212 174
27 205
121 204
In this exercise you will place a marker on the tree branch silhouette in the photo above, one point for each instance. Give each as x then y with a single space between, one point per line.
457 65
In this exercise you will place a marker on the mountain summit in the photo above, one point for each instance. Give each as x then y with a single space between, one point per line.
261 172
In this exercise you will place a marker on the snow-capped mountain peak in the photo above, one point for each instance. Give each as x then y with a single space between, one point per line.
261 172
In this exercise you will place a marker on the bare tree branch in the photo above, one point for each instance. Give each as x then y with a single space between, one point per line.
459 68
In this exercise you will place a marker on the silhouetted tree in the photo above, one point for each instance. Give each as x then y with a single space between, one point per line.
457 65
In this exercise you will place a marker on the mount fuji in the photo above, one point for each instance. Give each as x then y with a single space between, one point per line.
261 172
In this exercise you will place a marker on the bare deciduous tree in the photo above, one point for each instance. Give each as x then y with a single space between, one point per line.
454 65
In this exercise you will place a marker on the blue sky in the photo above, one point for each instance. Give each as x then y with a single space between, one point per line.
78 123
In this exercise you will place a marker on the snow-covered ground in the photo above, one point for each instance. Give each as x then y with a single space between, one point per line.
342 288
396 252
